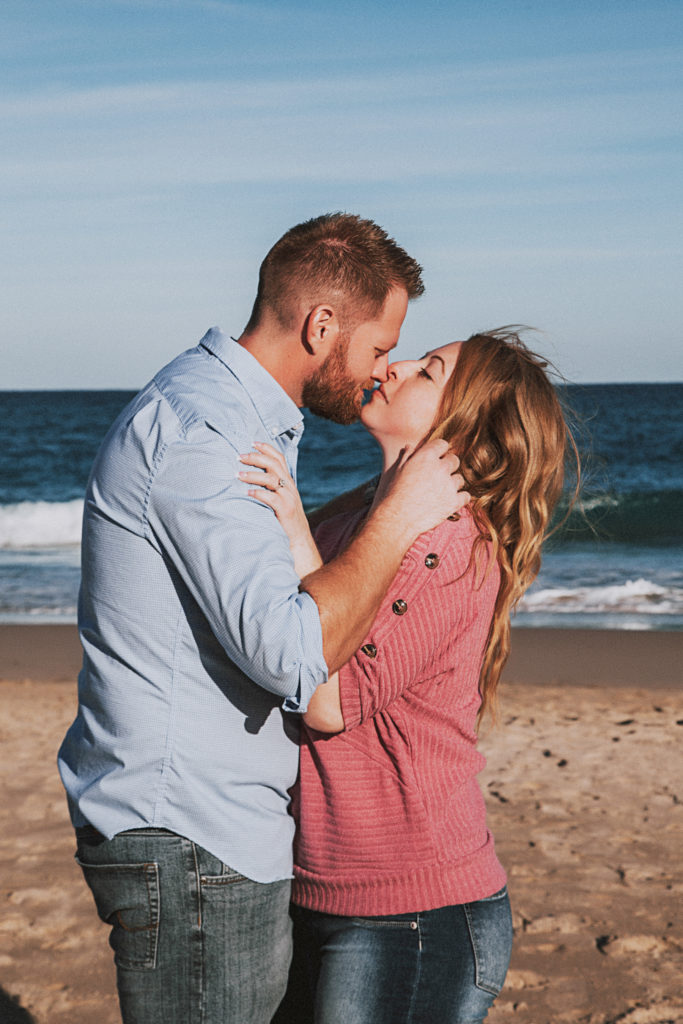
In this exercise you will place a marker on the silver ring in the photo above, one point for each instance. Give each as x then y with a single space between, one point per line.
281 482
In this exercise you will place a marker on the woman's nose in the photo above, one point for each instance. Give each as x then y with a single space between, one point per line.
401 368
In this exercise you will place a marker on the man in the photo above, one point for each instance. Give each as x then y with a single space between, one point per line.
197 633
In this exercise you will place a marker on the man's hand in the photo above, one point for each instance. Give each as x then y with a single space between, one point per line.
421 489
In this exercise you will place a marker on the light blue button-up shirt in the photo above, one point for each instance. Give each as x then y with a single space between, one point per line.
195 634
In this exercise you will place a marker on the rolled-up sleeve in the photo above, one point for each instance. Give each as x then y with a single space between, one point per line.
424 641
234 558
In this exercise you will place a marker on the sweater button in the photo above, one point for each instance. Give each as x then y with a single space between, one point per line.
399 607
431 561
370 650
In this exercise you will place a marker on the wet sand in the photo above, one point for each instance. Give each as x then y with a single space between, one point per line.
585 791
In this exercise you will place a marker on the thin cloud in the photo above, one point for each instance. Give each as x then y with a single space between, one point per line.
192 6
522 90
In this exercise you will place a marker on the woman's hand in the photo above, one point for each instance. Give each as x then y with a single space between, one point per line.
275 488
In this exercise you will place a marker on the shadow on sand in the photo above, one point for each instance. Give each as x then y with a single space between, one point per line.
11 1012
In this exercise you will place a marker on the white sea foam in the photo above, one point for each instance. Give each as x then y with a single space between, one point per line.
38 615
597 503
640 596
40 524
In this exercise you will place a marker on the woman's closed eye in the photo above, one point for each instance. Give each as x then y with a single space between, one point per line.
423 373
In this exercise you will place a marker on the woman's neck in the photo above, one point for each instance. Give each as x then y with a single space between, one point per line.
391 449
390 446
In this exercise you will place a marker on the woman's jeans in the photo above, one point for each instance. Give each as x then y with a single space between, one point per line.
194 942
442 966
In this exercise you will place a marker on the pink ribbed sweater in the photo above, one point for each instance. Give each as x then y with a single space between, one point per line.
390 817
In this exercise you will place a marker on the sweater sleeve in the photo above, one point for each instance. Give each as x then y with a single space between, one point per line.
422 622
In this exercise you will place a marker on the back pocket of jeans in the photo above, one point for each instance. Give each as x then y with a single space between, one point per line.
127 898
490 926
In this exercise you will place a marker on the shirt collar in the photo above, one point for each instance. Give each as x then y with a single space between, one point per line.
276 409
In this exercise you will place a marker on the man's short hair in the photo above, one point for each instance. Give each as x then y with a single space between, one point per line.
337 257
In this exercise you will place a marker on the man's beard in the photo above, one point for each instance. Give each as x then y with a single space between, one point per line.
331 393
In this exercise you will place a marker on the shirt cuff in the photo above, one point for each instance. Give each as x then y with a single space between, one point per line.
313 667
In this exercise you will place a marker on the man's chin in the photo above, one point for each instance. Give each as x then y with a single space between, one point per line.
342 415
342 406
335 397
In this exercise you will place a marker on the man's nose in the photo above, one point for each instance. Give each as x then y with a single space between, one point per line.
380 371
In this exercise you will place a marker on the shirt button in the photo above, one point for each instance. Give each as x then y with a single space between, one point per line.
431 561
273 431
399 607
370 650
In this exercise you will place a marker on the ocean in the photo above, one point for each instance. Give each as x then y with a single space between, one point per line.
617 563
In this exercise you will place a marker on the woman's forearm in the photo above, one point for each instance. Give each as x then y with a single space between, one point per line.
324 708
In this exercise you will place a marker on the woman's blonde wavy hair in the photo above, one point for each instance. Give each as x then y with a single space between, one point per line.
502 416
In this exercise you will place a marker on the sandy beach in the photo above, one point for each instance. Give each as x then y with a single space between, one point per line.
585 792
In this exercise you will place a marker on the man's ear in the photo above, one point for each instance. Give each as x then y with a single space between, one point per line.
320 330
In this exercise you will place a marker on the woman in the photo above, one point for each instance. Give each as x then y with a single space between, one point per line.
401 911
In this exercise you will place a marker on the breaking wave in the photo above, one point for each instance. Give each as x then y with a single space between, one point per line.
40 524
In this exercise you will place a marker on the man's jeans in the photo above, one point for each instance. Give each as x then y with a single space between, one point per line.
194 942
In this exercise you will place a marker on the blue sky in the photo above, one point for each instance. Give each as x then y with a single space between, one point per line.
527 153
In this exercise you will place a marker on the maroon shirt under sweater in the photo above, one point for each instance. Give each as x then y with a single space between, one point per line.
390 817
